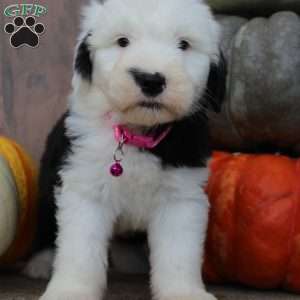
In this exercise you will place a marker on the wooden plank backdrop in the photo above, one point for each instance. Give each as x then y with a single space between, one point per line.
35 83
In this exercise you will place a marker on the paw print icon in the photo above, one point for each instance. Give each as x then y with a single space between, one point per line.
24 32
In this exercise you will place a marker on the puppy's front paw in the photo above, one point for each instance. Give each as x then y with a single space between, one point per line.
69 295
200 296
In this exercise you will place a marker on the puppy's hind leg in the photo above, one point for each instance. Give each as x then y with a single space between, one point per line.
40 265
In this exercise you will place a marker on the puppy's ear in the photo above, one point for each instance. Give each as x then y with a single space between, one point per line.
216 84
83 61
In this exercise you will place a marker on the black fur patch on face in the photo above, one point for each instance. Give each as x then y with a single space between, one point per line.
216 85
188 143
83 62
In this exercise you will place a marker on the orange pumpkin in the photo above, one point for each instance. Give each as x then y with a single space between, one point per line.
254 232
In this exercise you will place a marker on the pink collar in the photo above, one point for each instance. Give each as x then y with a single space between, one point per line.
123 134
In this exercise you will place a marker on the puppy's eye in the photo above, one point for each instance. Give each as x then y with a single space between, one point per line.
184 45
123 42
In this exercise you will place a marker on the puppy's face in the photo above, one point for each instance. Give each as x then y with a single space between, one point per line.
150 59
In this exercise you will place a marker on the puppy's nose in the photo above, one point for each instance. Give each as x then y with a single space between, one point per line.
151 84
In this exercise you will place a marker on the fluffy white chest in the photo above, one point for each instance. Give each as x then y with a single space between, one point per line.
138 191
144 186
133 196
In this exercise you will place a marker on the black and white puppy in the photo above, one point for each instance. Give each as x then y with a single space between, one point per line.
148 66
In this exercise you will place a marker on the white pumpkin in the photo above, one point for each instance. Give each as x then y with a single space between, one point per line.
8 207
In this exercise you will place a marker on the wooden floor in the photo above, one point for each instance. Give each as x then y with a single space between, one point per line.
126 288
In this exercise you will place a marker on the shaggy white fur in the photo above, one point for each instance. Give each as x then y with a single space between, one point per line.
167 202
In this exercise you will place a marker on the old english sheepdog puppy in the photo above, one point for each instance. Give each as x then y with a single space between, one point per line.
130 152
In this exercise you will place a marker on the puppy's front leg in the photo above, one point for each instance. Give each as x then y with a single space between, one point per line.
85 226
176 236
